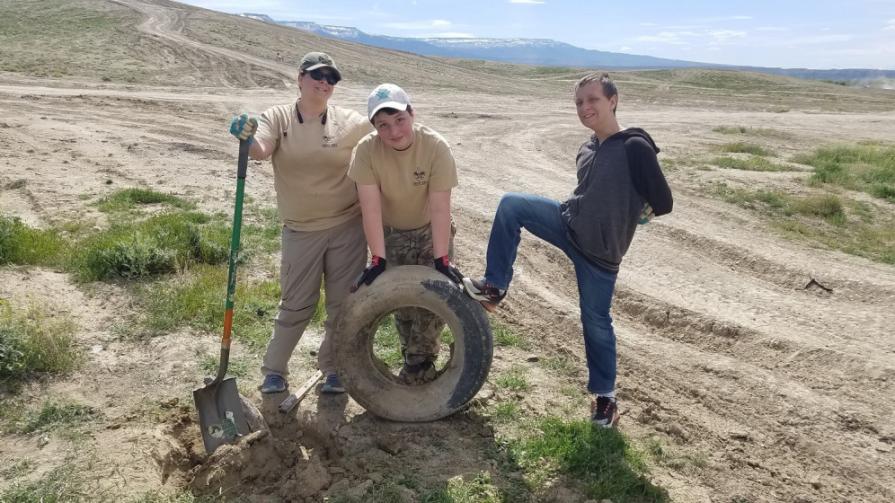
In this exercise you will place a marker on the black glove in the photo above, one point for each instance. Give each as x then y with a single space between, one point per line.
376 267
444 266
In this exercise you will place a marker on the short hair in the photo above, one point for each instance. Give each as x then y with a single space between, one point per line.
609 89
391 111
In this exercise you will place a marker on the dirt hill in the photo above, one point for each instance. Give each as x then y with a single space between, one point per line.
756 355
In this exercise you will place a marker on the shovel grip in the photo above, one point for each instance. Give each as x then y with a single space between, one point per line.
242 166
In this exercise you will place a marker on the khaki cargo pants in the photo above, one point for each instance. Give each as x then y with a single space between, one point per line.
337 256
418 329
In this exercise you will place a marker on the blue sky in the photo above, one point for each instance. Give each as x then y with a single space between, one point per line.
810 34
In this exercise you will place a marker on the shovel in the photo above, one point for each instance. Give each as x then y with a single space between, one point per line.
220 409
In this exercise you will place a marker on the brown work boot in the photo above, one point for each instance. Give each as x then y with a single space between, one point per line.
419 373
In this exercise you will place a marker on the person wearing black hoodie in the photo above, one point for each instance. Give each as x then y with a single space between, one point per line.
620 184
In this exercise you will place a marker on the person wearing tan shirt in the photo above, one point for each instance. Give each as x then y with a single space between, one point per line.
310 143
405 172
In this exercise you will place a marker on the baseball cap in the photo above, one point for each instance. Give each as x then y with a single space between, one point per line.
386 96
314 60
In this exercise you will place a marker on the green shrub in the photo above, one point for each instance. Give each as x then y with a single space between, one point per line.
161 244
867 168
748 164
22 245
129 199
32 342
196 299
745 148
827 206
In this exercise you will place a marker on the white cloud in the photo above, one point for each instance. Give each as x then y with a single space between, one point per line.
890 25
771 28
418 25
529 2
723 36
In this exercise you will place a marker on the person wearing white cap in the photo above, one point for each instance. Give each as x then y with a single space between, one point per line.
405 173
310 142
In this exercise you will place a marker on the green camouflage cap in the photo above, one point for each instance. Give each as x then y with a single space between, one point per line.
314 60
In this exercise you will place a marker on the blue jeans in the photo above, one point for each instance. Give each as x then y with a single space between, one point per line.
541 217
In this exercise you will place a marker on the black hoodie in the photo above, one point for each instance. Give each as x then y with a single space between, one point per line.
615 180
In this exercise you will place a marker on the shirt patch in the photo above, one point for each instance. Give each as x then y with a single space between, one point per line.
419 177
329 142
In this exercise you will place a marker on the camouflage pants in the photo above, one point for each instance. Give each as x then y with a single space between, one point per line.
418 329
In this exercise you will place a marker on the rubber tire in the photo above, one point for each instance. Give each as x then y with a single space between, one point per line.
373 386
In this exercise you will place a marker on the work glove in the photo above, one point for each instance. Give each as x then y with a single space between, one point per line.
444 266
243 127
376 267
646 214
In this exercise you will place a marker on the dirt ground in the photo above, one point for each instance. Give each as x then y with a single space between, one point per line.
786 392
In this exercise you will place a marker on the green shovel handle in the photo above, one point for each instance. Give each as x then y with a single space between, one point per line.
242 169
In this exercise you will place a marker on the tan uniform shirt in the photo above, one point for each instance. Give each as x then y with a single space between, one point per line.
310 163
405 177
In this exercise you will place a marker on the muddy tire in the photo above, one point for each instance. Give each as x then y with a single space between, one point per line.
367 379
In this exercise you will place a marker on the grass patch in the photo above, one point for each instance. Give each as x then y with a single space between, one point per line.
459 490
18 469
54 415
560 365
387 344
868 168
505 412
131 199
514 380
742 147
196 299
23 245
506 337
825 220
236 367
59 485
31 342
752 163
599 458
661 454
161 244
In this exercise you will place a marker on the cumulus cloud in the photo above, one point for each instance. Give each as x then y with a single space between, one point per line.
529 2
890 25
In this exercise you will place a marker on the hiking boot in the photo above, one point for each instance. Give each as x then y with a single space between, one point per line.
604 412
273 383
419 373
484 292
332 384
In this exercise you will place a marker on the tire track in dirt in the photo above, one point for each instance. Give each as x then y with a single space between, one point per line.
167 23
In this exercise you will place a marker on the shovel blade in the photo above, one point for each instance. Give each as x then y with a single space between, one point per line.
221 417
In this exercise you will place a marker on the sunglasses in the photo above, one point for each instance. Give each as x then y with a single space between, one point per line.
320 75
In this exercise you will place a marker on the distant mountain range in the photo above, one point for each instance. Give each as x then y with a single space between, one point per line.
545 52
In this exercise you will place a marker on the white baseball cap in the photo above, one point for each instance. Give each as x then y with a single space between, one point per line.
387 96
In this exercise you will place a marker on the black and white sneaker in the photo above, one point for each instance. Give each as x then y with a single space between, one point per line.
604 412
484 292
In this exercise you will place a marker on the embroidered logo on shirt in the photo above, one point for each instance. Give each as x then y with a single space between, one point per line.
419 177
329 142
